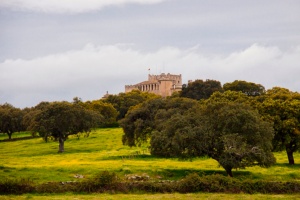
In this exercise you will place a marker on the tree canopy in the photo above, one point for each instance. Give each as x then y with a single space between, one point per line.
106 110
248 88
142 119
200 89
282 107
230 132
61 119
10 119
123 101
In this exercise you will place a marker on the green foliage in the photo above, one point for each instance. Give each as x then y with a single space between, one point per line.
16 186
200 89
61 119
105 178
106 110
224 128
108 182
248 88
231 133
141 120
123 101
282 107
228 96
10 119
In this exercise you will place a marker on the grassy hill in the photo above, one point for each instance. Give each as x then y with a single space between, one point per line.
103 150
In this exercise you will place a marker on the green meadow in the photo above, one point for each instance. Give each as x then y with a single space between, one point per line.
39 161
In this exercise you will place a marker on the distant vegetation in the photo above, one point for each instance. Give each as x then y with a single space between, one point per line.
239 125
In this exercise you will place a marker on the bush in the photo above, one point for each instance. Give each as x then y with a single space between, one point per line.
111 183
19 186
212 183
103 182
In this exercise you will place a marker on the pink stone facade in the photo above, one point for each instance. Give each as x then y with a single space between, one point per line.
163 84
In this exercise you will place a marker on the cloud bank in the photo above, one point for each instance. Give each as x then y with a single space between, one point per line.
68 6
91 71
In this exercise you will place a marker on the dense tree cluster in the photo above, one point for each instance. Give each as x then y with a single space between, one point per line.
238 124
57 119
230 132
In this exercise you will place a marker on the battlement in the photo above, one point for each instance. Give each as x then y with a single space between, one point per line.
164 76
163 84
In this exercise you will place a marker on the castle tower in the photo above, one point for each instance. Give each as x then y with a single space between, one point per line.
163 84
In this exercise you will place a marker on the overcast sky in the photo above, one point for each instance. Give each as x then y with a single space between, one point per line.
59 49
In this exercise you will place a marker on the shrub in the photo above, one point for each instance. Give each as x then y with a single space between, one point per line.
111 183
103 182
19 186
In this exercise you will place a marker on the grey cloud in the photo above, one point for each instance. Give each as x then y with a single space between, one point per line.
68 6
42 55
93 70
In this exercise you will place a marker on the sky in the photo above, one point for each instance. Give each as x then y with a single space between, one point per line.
55 50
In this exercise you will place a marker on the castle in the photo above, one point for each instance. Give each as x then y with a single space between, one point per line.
163 84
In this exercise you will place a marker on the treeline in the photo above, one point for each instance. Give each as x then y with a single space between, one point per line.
239 124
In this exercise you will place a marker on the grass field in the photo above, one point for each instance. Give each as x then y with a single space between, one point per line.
103 150
4 136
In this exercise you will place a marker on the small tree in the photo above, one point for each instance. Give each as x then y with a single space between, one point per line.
10 119
61 119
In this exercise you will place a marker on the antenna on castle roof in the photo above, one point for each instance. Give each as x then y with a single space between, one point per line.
148 70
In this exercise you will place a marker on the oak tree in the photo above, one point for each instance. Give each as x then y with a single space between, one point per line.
61 119
248 88
282 107
10 119
200 89
231 133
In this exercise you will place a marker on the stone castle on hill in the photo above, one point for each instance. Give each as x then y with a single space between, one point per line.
163 84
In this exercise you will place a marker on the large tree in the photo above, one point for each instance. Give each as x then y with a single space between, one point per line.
248 88
10 119
141 120
282 107
231 133
61 119
200 89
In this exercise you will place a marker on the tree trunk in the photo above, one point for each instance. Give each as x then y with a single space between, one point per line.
46 137
9 135
229 171
61 147
290 156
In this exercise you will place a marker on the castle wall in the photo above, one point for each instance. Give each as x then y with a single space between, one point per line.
163 84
